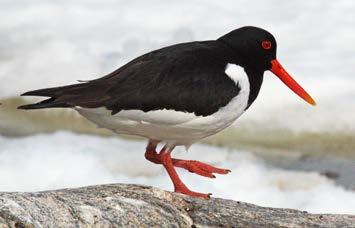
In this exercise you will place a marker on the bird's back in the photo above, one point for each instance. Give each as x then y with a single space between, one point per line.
185 77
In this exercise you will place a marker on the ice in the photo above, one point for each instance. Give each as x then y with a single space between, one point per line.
64 159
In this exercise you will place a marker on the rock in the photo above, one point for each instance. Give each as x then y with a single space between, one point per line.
121 205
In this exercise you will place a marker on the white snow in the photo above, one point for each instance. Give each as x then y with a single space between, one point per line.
65 159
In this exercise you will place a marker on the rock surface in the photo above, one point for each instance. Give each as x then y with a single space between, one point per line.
121 205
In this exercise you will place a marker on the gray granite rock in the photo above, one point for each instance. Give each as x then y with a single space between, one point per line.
121 205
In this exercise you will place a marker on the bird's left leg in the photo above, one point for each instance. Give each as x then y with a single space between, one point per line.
193 166
199 168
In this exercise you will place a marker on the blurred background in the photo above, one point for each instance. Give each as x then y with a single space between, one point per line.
282 152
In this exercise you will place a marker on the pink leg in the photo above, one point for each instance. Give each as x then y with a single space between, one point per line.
197 167
164 158
179 186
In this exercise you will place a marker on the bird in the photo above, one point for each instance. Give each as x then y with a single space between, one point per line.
178 95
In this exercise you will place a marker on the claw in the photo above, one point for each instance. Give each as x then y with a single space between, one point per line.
199 168
188 192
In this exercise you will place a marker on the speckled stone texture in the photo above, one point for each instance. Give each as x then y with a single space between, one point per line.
121 205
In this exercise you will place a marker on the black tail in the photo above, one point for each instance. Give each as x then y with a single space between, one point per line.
52 102
90 95
49 103
52 92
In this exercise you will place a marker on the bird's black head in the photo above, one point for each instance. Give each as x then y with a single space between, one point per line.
255 50
255 47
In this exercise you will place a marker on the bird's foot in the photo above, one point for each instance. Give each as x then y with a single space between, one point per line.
188 192
192 166
164 158
199 168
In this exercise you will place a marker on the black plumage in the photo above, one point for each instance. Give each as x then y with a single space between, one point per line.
188 77
185 77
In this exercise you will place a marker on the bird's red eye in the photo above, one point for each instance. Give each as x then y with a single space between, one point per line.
266 44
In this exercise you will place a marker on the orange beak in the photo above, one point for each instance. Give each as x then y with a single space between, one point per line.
280 72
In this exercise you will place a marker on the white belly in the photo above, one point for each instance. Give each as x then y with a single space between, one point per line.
176 127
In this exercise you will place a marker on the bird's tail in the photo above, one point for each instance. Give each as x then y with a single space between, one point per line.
49 103
52 102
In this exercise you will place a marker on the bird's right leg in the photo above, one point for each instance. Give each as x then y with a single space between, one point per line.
151 153
164 158
179 186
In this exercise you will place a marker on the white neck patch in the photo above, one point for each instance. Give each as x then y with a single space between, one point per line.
238 75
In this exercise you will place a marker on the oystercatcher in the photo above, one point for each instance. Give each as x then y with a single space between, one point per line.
178 94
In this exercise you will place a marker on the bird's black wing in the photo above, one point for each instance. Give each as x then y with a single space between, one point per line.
186 77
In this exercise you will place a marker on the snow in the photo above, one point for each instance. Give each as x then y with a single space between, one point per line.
63 159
